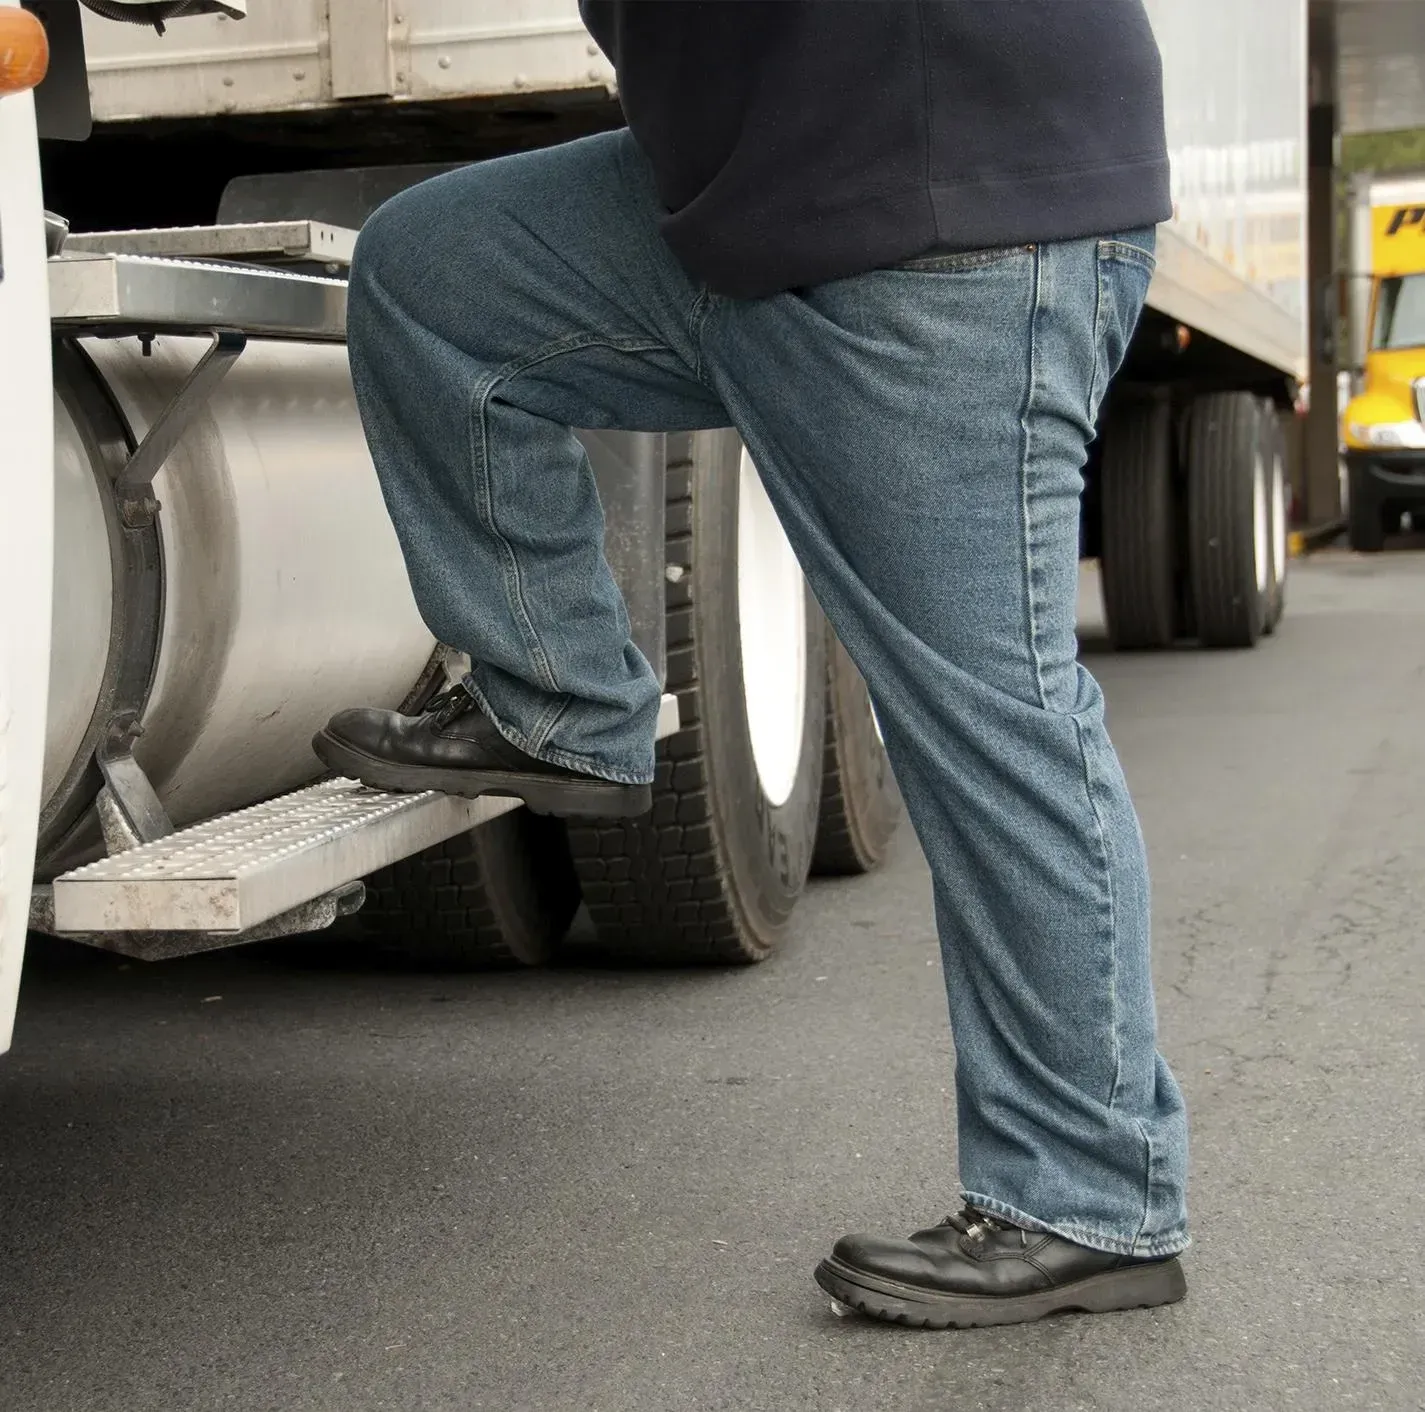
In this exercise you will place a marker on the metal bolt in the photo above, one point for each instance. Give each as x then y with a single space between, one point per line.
444 61
139 512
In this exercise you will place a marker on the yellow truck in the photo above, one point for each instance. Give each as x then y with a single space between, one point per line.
1383 427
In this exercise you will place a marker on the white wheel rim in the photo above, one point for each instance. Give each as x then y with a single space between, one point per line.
1279 530
1261 526
772 613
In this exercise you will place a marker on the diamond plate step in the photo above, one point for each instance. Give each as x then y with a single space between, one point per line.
239 870
289 242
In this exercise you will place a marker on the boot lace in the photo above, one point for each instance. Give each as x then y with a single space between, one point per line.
450 704
976 1225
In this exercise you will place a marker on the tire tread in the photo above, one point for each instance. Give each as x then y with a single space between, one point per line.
1223 432
1139 540
646 915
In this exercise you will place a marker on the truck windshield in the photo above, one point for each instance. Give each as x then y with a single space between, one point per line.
1400 313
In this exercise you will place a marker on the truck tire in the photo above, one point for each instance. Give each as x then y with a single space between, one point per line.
1229 520
860 804
1139 548
1275 450
497 897
712 874
1365 518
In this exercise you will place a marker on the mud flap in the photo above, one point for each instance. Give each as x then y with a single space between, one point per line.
26 528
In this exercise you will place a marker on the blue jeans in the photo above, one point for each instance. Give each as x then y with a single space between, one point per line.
920 431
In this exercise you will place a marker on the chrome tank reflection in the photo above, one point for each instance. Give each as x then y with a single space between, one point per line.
285 597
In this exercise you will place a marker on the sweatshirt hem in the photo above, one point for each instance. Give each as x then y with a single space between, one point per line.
1010 208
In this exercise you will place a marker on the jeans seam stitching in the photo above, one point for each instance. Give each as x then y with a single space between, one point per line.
511 574
575 343
1127 252
1105 863
1147 1178
1100 318
959 262
510 570
1026 443
697 316
547 720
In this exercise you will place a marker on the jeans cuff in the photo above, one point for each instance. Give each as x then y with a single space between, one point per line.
1168 1243
551 754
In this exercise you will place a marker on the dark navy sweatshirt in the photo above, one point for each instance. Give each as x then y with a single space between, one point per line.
796 141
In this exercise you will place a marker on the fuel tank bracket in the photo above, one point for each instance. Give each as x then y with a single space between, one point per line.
135 482
129 807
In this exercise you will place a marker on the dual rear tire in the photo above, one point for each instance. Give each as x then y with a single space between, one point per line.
1194 507
777 770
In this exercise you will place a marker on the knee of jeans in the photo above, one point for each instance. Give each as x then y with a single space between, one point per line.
416 255
383 247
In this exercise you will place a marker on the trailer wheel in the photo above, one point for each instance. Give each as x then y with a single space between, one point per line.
1275 450
860 804
1139 549
712 873
1229 518
500 896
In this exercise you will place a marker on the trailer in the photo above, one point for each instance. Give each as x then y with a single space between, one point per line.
1190 480
179 616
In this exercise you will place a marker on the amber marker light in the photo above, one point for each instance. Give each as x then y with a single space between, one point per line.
24 51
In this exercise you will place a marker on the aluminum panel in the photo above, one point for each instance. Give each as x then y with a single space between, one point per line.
275 58
1234 79
502 46
1381 46
290 55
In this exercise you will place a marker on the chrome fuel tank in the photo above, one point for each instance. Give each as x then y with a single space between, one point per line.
281 597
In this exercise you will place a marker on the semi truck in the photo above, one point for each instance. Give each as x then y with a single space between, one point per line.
180 607
1383 425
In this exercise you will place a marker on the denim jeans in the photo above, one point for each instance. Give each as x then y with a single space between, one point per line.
920 431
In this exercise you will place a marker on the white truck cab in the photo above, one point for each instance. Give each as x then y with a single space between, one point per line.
26 535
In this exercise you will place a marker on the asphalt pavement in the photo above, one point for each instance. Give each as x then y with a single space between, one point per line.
258 1180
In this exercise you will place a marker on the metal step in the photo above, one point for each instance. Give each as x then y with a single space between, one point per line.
137 294
255 242
233 873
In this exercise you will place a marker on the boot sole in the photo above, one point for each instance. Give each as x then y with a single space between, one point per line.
598 799
1136 1287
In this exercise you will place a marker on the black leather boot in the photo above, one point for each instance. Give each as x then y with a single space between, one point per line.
973 1270
453 747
